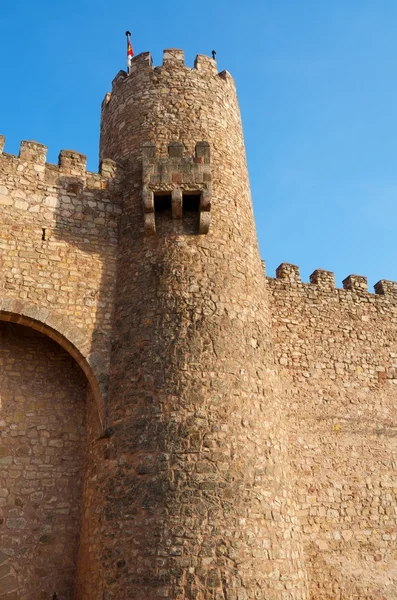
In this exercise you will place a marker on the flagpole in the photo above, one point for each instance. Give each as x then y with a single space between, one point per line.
128 34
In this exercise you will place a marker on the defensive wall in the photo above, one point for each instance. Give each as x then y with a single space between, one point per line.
58 248
337 355
227 416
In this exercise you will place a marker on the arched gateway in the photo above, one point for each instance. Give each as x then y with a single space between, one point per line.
45 378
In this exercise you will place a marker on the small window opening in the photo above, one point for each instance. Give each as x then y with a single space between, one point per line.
43 234
162 203
163 213
191 203
191 212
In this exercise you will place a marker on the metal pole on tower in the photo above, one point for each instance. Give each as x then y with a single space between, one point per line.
130 51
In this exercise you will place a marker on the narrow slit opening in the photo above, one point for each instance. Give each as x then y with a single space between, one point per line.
163 213
191 212
162 203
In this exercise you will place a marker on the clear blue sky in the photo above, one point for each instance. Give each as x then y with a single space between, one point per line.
317 84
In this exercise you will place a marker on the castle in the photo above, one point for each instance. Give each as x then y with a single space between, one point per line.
173 423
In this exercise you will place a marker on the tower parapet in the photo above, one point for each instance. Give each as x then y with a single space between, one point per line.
146 89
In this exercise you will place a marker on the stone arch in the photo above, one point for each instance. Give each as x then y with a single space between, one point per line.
69 337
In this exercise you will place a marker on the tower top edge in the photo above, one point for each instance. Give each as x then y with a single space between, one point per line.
173 59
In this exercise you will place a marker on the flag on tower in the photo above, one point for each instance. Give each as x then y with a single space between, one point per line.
130 51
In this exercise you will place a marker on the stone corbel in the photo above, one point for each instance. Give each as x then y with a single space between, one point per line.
205 211
176 199
148 207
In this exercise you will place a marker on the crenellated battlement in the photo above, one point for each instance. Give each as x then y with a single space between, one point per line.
324 282
173 58
32 155
173 61
51 198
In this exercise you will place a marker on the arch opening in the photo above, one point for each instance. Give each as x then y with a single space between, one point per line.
42 446
46 386
71 340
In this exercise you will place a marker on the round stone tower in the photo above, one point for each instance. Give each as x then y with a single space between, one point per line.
190 497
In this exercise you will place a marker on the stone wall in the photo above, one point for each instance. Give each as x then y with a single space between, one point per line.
337 351
58 242
42 434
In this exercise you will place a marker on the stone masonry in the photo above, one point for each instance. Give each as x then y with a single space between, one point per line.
337 352
173 423
41 457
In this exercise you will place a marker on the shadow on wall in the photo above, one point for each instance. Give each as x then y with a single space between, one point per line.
85 240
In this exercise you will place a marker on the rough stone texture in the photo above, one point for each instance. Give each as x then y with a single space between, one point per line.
42 431
198 485
240 429
58 247
337 350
